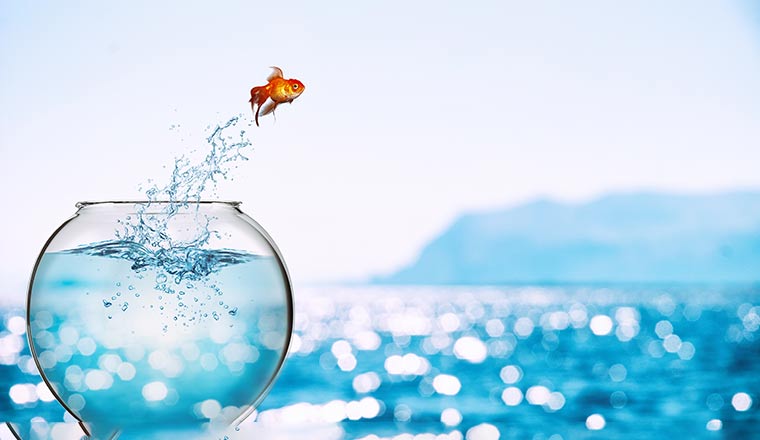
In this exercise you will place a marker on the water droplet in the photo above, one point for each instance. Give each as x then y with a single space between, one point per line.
124 307
131 287
107 303
233 312
161 307
118 284
161 278
109 316
113 298
216 316
118 293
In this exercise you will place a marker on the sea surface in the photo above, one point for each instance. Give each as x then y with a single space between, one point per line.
479 363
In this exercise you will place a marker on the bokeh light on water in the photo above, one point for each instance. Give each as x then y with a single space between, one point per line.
445 363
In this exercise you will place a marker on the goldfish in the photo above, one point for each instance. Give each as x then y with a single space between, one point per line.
278 91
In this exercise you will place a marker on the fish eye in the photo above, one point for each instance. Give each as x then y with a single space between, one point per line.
295 86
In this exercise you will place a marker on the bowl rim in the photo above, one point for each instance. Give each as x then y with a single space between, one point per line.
86 203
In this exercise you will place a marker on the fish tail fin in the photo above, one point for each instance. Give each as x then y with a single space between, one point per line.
259 96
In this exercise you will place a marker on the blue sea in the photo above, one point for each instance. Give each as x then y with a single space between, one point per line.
481 363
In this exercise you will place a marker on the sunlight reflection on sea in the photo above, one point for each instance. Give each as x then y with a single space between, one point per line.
551 363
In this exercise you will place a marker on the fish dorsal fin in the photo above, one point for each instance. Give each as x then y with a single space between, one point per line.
276 73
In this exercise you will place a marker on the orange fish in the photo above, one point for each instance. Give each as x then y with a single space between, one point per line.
278 90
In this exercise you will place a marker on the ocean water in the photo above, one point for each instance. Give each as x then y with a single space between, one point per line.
560 362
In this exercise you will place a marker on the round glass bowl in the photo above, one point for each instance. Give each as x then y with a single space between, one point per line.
159 319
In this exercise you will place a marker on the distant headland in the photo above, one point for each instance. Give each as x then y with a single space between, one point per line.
634 237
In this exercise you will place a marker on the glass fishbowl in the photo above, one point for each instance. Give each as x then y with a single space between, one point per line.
159 319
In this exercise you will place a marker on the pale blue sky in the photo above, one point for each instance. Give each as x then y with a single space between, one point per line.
414 112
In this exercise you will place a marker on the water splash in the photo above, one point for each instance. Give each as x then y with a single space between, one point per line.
144 238
184 262
189 182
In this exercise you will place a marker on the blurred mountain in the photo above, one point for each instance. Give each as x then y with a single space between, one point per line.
640 237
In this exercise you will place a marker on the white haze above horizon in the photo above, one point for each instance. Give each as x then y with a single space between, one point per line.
413 112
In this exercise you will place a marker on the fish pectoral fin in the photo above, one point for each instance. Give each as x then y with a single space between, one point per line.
276 73
268 108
